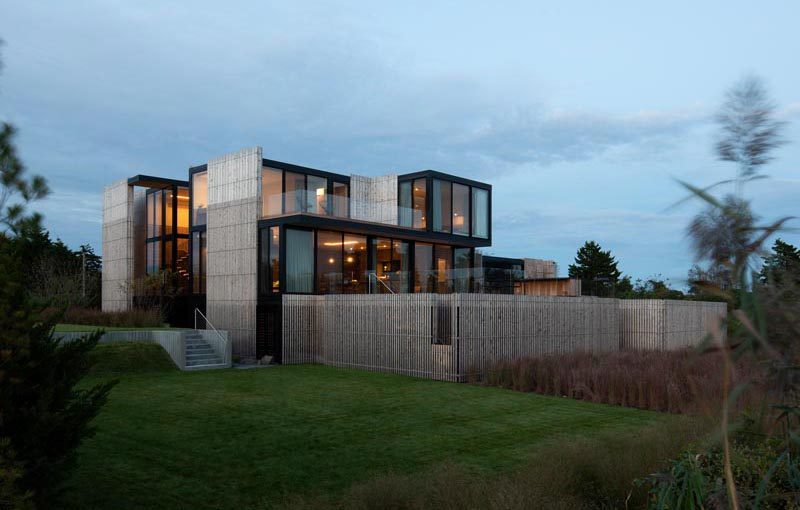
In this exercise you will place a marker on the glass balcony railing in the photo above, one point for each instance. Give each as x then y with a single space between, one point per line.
309 202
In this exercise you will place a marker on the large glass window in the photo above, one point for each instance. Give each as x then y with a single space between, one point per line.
401 255
168 212
269 260
340 200
443 260
460 209
405 216
182 261
480 213
424 280
441 206
462 264
418 203
153 264
299 260
355 264
199 253
151 214
329 262
200 198
295 192
183 210
158 218
316 194
382 252
168 253
271 195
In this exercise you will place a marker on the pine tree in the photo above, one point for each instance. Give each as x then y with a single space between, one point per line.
597 270
782 263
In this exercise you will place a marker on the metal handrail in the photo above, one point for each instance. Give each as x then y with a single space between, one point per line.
222 338
382 282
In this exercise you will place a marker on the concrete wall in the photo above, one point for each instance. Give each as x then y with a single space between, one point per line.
234 205
374 198
118 246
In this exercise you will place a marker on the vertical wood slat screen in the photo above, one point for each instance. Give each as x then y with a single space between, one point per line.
402 333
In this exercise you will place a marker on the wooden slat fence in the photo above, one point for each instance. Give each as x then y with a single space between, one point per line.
648 324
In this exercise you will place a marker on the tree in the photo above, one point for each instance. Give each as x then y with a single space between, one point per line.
655 287
781 265
43 417
597 270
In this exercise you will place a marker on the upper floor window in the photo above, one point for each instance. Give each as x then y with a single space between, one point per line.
271 188
442 205
200 198
480 213
287 192
413 203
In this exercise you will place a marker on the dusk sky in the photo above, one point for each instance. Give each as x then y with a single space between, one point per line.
580 114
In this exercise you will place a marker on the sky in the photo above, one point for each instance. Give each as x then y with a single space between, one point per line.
582 115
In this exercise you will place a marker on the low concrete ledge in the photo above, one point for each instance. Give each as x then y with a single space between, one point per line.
174 342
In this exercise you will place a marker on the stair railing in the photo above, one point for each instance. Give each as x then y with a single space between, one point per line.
224 341
375 276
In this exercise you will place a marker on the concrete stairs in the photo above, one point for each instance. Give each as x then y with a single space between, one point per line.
200 355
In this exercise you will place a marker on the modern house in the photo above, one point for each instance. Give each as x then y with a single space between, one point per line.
243 230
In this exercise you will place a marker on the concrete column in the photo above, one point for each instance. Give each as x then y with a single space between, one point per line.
118 246
234 205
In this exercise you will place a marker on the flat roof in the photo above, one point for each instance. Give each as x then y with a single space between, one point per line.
150 181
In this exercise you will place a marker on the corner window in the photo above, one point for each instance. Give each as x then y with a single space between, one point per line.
317 195
329 262
412 203
480 213
269 261
341 194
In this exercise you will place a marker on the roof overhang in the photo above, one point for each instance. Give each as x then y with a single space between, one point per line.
149 181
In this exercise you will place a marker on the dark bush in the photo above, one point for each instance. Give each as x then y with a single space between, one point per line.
134 318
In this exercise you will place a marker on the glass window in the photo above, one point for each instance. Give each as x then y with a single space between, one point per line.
443 265
271 192
317 195
295 192
400 266
340 200
418 203
168 199
200 198
382 252
275 258
460 209
151 218
480 213
196 269
329 262
168 254
441 206
269 260
182 262
462 264
153 257
299 260
183 210
405 215
158 219
423 262
203 261
355 264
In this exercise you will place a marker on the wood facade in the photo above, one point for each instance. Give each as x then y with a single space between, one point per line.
453 336
549 287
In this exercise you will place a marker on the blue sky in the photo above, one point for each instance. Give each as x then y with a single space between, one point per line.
581 114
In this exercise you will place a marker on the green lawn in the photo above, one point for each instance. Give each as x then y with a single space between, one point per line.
79 328
242 438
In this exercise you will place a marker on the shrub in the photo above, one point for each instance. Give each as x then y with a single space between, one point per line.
134 318
671 381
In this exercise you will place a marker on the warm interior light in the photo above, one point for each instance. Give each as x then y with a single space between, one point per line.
331 261
339 244
350 259
320 192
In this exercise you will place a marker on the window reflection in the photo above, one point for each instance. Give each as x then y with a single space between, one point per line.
460 209
200 198
355 264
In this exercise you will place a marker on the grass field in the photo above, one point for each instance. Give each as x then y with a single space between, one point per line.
243 438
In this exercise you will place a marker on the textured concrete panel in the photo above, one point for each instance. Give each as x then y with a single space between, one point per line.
118 245
234 206
374 198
